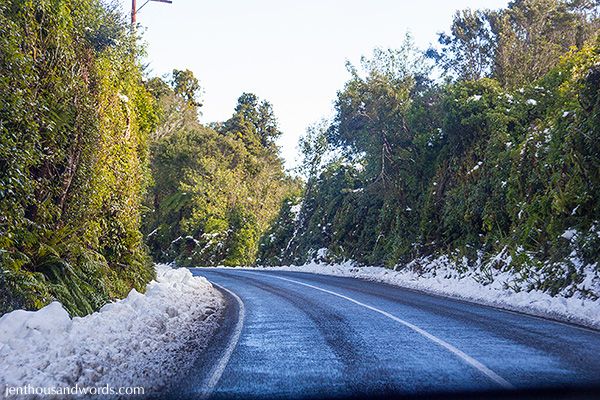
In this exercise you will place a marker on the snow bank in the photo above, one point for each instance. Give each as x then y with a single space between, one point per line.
142 340
441 276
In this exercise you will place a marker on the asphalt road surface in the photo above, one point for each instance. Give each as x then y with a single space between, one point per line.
299 335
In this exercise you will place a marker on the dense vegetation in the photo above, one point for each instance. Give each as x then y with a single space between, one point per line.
216 190
91 156
74 125
500 157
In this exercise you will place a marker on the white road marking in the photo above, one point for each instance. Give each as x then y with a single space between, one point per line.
215 375
460 354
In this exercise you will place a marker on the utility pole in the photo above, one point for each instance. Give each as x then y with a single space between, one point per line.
135 10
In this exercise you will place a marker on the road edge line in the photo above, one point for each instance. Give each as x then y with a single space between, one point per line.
217 372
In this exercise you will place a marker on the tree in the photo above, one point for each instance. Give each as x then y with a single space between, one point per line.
267 127
371 110
518 44
177 105
215 192
186 85
313 146
254 122
467 52
533 34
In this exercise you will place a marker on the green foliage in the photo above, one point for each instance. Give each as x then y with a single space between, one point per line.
518 44
187 86
534 34
471 168
74 122
254 122
467 52
215 192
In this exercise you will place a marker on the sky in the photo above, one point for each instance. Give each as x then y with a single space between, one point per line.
291 53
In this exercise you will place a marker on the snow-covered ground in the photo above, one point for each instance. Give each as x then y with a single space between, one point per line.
441 276
142 340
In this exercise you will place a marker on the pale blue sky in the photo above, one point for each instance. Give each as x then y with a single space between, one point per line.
291 53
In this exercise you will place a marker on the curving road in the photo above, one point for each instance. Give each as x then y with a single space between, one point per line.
299 335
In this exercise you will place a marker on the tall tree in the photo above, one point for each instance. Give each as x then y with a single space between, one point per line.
532 35
371 110
467 52
254 122
215 193
186 85
517 44
314 147
178 102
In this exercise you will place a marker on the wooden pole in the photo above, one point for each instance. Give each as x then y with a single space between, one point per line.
133 12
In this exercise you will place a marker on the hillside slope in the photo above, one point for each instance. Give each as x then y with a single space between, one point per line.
508 178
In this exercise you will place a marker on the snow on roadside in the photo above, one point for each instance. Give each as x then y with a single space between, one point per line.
439 276
141 340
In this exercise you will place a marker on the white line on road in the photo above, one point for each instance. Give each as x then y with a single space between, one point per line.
460 354
219 368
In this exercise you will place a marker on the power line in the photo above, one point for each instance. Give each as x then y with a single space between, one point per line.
135 10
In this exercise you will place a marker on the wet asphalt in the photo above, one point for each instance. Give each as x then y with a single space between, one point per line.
306 336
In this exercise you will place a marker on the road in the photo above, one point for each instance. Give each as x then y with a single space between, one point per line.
299 335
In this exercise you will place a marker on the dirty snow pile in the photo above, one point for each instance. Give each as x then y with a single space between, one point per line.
479 283
142 340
